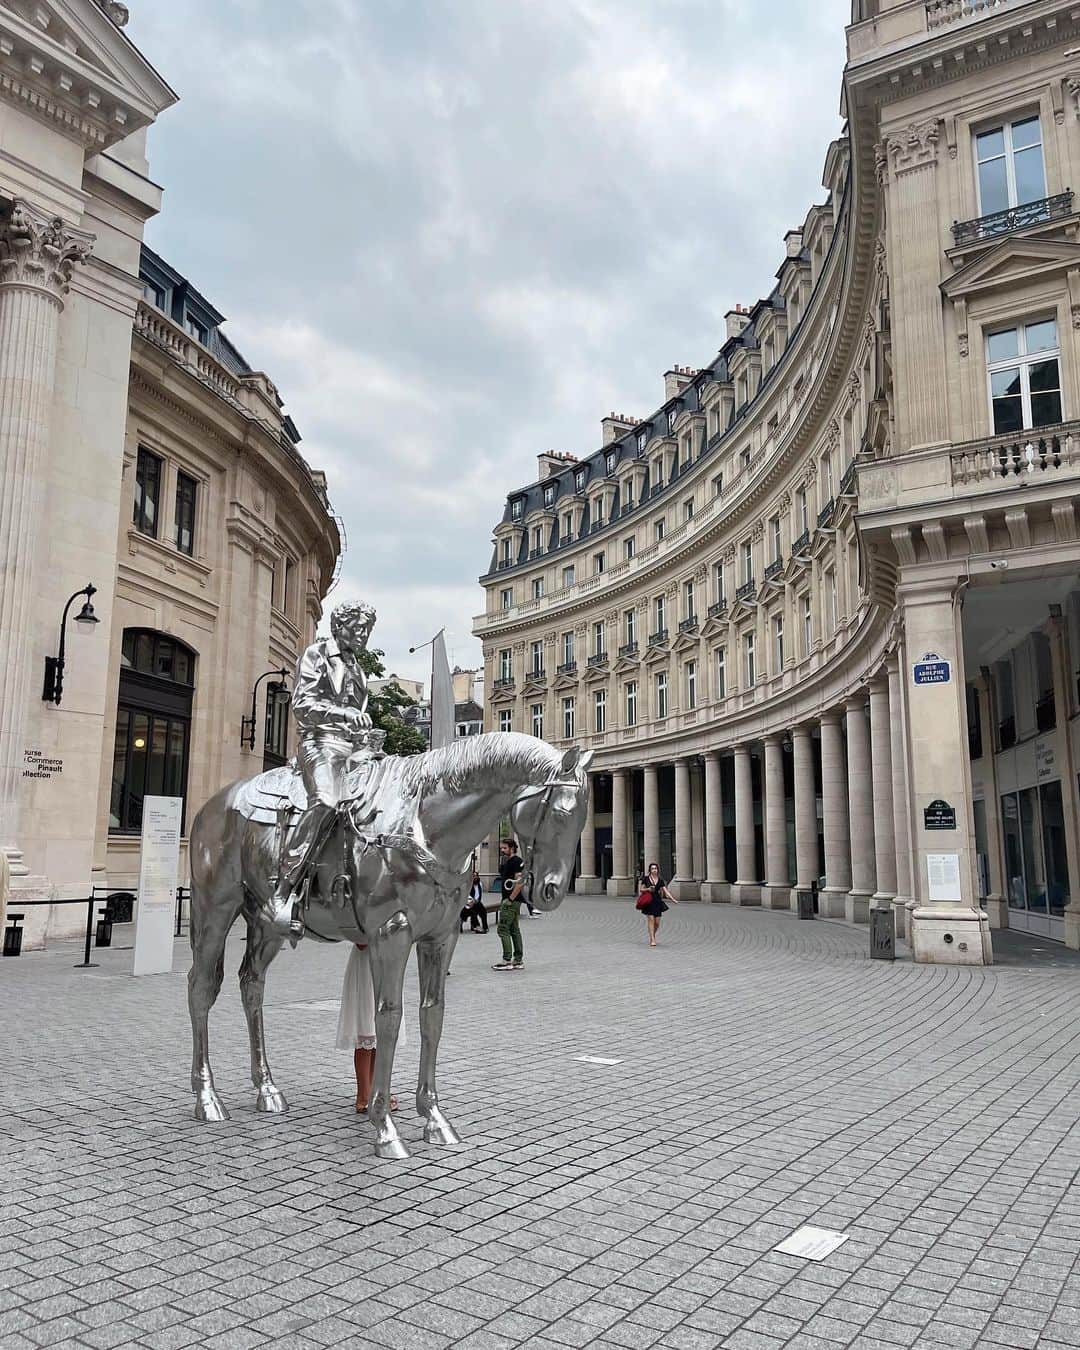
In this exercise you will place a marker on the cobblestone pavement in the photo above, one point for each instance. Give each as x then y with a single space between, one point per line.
770 1076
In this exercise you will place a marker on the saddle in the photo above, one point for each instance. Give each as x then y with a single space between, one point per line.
265 797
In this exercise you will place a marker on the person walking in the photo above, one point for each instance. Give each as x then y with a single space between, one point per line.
508 925
356 1023
653 884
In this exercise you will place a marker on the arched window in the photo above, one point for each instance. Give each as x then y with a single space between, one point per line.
153 725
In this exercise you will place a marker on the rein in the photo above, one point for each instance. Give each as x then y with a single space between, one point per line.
545 792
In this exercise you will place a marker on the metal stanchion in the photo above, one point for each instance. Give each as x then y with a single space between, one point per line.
86 963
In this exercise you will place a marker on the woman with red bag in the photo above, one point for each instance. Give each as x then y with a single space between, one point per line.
651 901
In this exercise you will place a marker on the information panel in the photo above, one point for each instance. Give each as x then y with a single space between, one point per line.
943 876
158 866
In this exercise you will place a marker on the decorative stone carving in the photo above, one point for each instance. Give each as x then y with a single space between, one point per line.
1072 84
869 331
728 555
40 250
114 10
758 532
784 504
881 161
915 147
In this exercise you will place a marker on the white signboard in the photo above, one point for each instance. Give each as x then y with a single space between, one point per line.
1045 768
815 1244
158 865
943 877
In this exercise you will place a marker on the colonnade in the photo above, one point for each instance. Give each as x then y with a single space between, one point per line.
856 839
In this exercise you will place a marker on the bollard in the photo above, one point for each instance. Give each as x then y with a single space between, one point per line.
882 935
13 935
804 901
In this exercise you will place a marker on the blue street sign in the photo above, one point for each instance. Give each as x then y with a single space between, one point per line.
931 670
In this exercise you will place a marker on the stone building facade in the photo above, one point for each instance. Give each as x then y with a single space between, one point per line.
818 615
139 454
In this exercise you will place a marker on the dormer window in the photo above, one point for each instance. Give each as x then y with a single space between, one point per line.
579 480
198 331
672 414
517 506
609 462
153 294
549 494
642 439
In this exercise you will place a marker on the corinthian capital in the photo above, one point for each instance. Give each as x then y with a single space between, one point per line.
915 146
40 250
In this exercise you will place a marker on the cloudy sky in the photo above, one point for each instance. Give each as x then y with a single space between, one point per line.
456 233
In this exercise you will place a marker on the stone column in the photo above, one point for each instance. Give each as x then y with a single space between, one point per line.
776 892
620 882
697 816
834 804
882 778
651 802
588 883
38 254
745 890
715 885
1060 668
683 886
994 903
901 831
861 813
806 830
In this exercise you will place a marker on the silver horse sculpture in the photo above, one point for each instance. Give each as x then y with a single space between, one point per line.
392 872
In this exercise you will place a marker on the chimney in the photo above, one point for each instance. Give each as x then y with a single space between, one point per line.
793 243
614 424
551 462
736 320
676 379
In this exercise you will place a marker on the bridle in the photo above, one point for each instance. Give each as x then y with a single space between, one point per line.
545 794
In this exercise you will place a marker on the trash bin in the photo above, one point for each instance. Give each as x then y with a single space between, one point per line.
883 935
804 901
13 935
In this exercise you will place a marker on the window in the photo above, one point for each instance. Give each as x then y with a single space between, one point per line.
288 586
276 732
1006 702
718 485
631 703
549 494
198 331
659 614
538 658
506 668
568 648
830 601
153 294
642 439
568 575
186 488
579 480
658 530
1009 160
537 539
826 477
153 724
538 588
629 625
600 710
506 598
747 562
1025 384
505 719
661 694
567 717
718 582
147 493
748 651
688 600
517 506
538 720
691 685
688 509
803 509
721 672
506 559
598 638
628 546
609 462
807 626
597 564
567 529
778 642
774 533
672 414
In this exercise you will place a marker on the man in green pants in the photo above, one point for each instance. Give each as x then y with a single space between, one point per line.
508 927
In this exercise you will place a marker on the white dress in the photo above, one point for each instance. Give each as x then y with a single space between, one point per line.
356 1019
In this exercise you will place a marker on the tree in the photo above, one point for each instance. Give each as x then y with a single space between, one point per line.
385 708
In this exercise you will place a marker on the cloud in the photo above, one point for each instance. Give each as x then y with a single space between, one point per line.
457 232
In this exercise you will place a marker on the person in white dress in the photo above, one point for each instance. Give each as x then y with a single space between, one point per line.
356 1023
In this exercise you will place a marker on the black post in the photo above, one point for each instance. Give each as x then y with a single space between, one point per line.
86 963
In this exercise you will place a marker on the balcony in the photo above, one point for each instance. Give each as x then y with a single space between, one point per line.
1033 453
777 565
656 489
628 649
1014 218
535 553
825 514
658 638
803 542
847 482
747 590
598 659
537 673
941 13
718 608
507 682
567 668
688 625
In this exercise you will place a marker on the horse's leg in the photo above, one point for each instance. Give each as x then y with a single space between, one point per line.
433 959
263 944
389 949
212 915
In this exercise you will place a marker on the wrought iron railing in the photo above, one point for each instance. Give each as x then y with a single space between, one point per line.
847 482
506 683
628 649
660 636
717 608
537 673
747 590
825 514
568 668
598 659
687 625
802 542
1013 218
777 565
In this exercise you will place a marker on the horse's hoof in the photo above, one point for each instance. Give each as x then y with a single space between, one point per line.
440 1133
210 1109
393 1149
271 1101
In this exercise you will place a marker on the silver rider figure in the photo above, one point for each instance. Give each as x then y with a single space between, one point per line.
329 705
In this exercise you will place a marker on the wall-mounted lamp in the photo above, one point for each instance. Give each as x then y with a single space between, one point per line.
86 621
247 724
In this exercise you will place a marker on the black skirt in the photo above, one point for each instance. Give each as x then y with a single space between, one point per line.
655 907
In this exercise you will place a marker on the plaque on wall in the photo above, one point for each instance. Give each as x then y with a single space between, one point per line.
939 815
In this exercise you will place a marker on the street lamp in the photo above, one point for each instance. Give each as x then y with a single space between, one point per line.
247 724
86 621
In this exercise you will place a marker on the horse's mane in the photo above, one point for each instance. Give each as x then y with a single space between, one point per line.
496 756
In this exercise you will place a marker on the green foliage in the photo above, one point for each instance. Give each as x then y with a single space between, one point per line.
386 707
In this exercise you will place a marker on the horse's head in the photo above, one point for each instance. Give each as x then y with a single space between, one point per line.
548 821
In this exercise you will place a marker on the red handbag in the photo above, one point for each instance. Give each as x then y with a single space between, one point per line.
645 898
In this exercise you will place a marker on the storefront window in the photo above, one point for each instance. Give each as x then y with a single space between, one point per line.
1036 863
